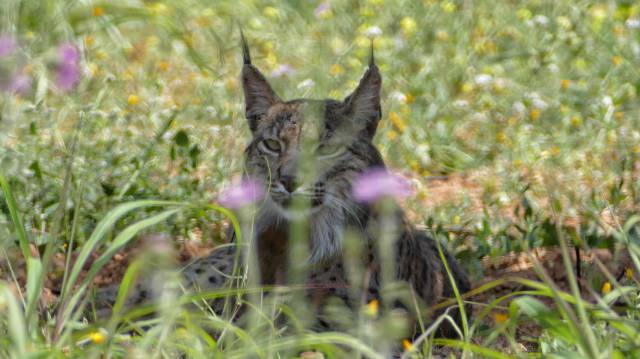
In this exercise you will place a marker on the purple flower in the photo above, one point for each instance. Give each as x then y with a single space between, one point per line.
322 9
377 183
7 45
68 68
240 195
282 70
19 83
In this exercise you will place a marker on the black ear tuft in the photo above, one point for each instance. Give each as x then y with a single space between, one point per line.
363 105
246 56
372 61
258 94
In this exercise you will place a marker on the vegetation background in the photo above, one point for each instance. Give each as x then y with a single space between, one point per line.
517 122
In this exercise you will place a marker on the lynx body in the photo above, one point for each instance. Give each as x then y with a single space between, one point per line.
307 154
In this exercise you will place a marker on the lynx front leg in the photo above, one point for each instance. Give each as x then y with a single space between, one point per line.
208 273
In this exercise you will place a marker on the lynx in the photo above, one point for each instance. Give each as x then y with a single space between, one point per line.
311 152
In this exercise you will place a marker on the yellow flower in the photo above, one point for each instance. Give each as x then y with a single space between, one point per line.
182 333
535 113
98 11
88 40
544 154
128 73
629 273
466 87
188 39
372 307
406 344
448 6
392 135
97 337
152 41
606 288
133 100
409 99
500 317
501 137
203 21
363 41
564 22
158 8
397 122
599 12
524 14
576 121
336 70
271 12
517 162
555 150
617 60
564 84
231 84
30 35
408 25
337 44
93 69
442 35
272 59
163 65
101 55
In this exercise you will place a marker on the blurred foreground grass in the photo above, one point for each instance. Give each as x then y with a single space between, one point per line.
530 108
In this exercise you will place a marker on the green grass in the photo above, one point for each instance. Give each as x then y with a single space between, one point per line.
536 102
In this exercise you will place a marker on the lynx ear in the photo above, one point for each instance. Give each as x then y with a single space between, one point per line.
258 94
363 105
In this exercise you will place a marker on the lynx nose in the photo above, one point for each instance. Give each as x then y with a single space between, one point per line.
289 183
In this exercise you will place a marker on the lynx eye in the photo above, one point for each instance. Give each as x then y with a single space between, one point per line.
326 152
271 145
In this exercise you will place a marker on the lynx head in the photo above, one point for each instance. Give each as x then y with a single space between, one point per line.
307 153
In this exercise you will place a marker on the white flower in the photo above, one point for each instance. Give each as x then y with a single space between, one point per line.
633 23
536 101
373 31
539 103
554 68
519 107
541 20
168 135
422 153
211 111
461 103
306 84
499 83
483 80
398 96
607 101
